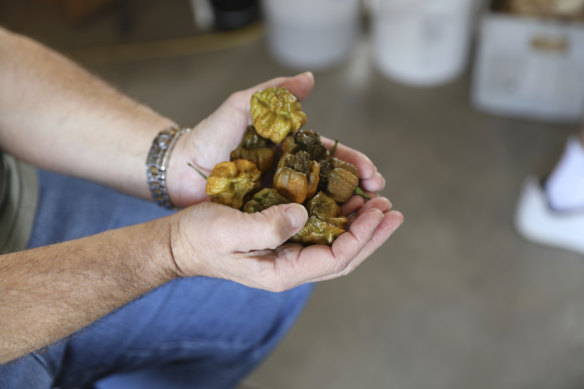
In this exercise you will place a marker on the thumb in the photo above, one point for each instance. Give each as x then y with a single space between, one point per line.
270 228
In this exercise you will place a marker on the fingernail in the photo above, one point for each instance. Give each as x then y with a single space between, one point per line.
307 73
296 215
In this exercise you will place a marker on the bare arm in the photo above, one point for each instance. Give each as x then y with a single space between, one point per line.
50 292
56 115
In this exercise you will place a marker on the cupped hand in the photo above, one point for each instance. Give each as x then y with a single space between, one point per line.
212 140
216 241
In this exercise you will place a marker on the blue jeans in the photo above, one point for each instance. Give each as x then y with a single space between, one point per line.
189 333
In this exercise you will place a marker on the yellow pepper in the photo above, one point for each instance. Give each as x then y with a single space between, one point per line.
275 112
230 183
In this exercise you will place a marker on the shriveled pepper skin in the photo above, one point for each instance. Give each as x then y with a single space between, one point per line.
305 140
317 231
338 179
256 149
231 182
323 206
324 224
264 199
275 112
296 177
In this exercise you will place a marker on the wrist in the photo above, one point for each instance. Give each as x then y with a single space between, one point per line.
184 255
184 185
149 255
158 163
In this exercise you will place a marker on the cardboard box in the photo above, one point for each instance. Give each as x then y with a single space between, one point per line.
530 67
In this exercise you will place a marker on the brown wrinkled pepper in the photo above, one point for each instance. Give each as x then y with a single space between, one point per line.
324 223
275 112
305 140
338 178
297 176
264 199
231 182
256 149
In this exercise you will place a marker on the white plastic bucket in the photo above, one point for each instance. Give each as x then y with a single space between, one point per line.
311 34
422 42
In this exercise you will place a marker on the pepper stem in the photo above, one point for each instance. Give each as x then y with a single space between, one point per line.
335 147
360 192
197 170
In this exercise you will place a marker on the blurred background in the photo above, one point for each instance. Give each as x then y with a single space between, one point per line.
455 101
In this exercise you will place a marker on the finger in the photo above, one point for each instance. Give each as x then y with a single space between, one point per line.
291 265
267 229
381 203
352 205
348 245
374 184
391 222
322 262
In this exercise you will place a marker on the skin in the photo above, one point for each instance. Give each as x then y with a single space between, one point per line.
84 127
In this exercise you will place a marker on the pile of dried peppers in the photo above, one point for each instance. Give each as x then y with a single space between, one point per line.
306 172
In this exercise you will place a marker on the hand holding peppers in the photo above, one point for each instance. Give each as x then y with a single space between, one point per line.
305 166
217 241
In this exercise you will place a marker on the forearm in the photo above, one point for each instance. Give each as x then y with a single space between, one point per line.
50 292
56 115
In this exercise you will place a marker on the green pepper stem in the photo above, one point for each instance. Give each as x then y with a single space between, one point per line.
197 170
335 147
360 192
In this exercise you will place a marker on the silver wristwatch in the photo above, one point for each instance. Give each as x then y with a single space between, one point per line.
157 163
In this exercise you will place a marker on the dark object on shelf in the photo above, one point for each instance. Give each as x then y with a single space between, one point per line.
233 14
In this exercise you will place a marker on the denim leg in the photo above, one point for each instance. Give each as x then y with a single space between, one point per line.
189 333
32 371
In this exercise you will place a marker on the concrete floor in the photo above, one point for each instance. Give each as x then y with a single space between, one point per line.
455 299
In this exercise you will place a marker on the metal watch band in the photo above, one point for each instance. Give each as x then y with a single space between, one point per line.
157 163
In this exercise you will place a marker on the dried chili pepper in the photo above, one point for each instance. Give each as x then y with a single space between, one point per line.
297 176
324 223
231 182
264 199
256 149
357 191
339 179
305 140
275 112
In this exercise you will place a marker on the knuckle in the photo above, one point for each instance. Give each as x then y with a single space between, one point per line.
276 230
348 269
342 268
